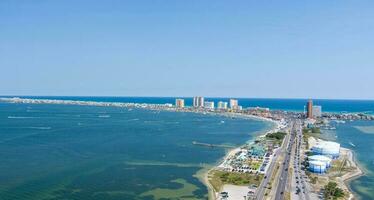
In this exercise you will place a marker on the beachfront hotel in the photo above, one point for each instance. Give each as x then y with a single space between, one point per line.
179 103
198 102
234 104
222 105
209 105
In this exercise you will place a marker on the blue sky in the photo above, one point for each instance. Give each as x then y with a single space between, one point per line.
279 49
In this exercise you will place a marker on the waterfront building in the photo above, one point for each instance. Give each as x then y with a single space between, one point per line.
179 103
317 111
309 111
234 104
209 104
222 105
198 102
321 158
317 167
326 148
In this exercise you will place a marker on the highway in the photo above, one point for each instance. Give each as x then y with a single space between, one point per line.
260 192
298 180
281 187
297 184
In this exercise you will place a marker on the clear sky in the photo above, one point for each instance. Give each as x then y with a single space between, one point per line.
279 49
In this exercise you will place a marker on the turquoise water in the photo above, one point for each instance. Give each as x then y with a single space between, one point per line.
83 152
361 135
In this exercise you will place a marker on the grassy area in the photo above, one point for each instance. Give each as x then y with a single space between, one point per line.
254 164
220 178
277 135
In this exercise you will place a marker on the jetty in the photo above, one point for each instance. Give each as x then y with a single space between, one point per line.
213 145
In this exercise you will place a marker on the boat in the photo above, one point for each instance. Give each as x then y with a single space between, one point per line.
353 145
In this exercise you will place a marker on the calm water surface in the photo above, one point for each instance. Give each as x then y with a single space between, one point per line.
83 152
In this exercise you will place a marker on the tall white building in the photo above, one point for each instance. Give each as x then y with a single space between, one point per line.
317 111
222 105
198 102
234 104
179 103
209 105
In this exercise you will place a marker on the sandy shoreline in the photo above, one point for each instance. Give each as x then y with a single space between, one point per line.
350 176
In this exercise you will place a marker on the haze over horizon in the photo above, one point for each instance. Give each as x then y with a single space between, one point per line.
248 49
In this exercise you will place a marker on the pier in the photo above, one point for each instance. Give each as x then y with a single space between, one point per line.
213 145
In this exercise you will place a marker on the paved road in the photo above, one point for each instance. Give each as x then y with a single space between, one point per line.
298 187
285 165
260 193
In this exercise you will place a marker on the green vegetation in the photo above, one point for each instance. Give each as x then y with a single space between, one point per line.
332 191
219 178
314 180
277 135
312 130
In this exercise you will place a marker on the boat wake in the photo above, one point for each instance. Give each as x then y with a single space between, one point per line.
40 128
353 145
19 117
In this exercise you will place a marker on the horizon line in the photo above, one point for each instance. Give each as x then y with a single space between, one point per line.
219 97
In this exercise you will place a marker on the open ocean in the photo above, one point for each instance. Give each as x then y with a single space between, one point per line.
86 152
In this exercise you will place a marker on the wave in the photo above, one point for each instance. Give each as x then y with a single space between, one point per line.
20 117
136 119
104 116
40 128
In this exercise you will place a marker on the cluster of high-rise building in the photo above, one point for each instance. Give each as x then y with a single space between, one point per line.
313 111
199 102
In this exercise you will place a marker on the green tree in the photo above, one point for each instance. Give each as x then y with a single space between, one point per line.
332 191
